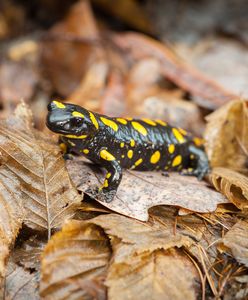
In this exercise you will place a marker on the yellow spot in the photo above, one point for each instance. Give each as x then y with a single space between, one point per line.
63 147
86 151
59 104
122 121
130 154
106 155
155 157
137 163
132 143
141 129
150 122
93 120
108 175
178 135
160 122
71 136
77 114
198 141
184 132
192 156
171 148
122 144
177 161
166 167
129 119
122 156
105 183
109 123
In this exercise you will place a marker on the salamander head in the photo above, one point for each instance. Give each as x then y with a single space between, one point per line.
69 119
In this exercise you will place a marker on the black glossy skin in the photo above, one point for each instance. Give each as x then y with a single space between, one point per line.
177 149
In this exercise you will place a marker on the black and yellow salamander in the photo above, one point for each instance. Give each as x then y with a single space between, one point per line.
124 143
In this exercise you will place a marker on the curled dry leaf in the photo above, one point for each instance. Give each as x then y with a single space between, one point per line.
74 263
236 242
33 175
227 136
232 184
153 276
139 191
173 68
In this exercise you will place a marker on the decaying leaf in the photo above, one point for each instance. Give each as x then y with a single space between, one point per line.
139 191
173 68
153 276
236 242
33 172
232 184
227 136
19 284
74 263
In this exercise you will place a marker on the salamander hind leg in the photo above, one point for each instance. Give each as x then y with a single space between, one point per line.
202 165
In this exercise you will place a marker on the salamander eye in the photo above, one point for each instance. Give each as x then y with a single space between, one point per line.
76 122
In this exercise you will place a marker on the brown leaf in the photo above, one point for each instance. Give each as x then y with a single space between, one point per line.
232 184
74 263
19 284
236 240
157 275
138 237
139 191
173 68
70 42
227 136
34 174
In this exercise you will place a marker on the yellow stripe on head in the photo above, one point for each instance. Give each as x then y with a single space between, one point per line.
59 104
93 120
77 114
72 136
109 123
140 128
160 122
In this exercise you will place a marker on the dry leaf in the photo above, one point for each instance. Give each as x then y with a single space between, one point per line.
232 184
34 172
70 47
227 136
19 284
74 263
236 240
173 68
139 191
157 275
138 237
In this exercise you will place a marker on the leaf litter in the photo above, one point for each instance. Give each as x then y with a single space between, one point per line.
183 249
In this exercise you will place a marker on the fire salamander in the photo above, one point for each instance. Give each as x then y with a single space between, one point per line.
125 143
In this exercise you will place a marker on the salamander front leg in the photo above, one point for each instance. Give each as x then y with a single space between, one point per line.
111 182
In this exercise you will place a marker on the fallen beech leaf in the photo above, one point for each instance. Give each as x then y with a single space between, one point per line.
157 275
70 47
34 173
232 184
139 191
236 240
74 263
173 68
19 284
227 136
137 237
